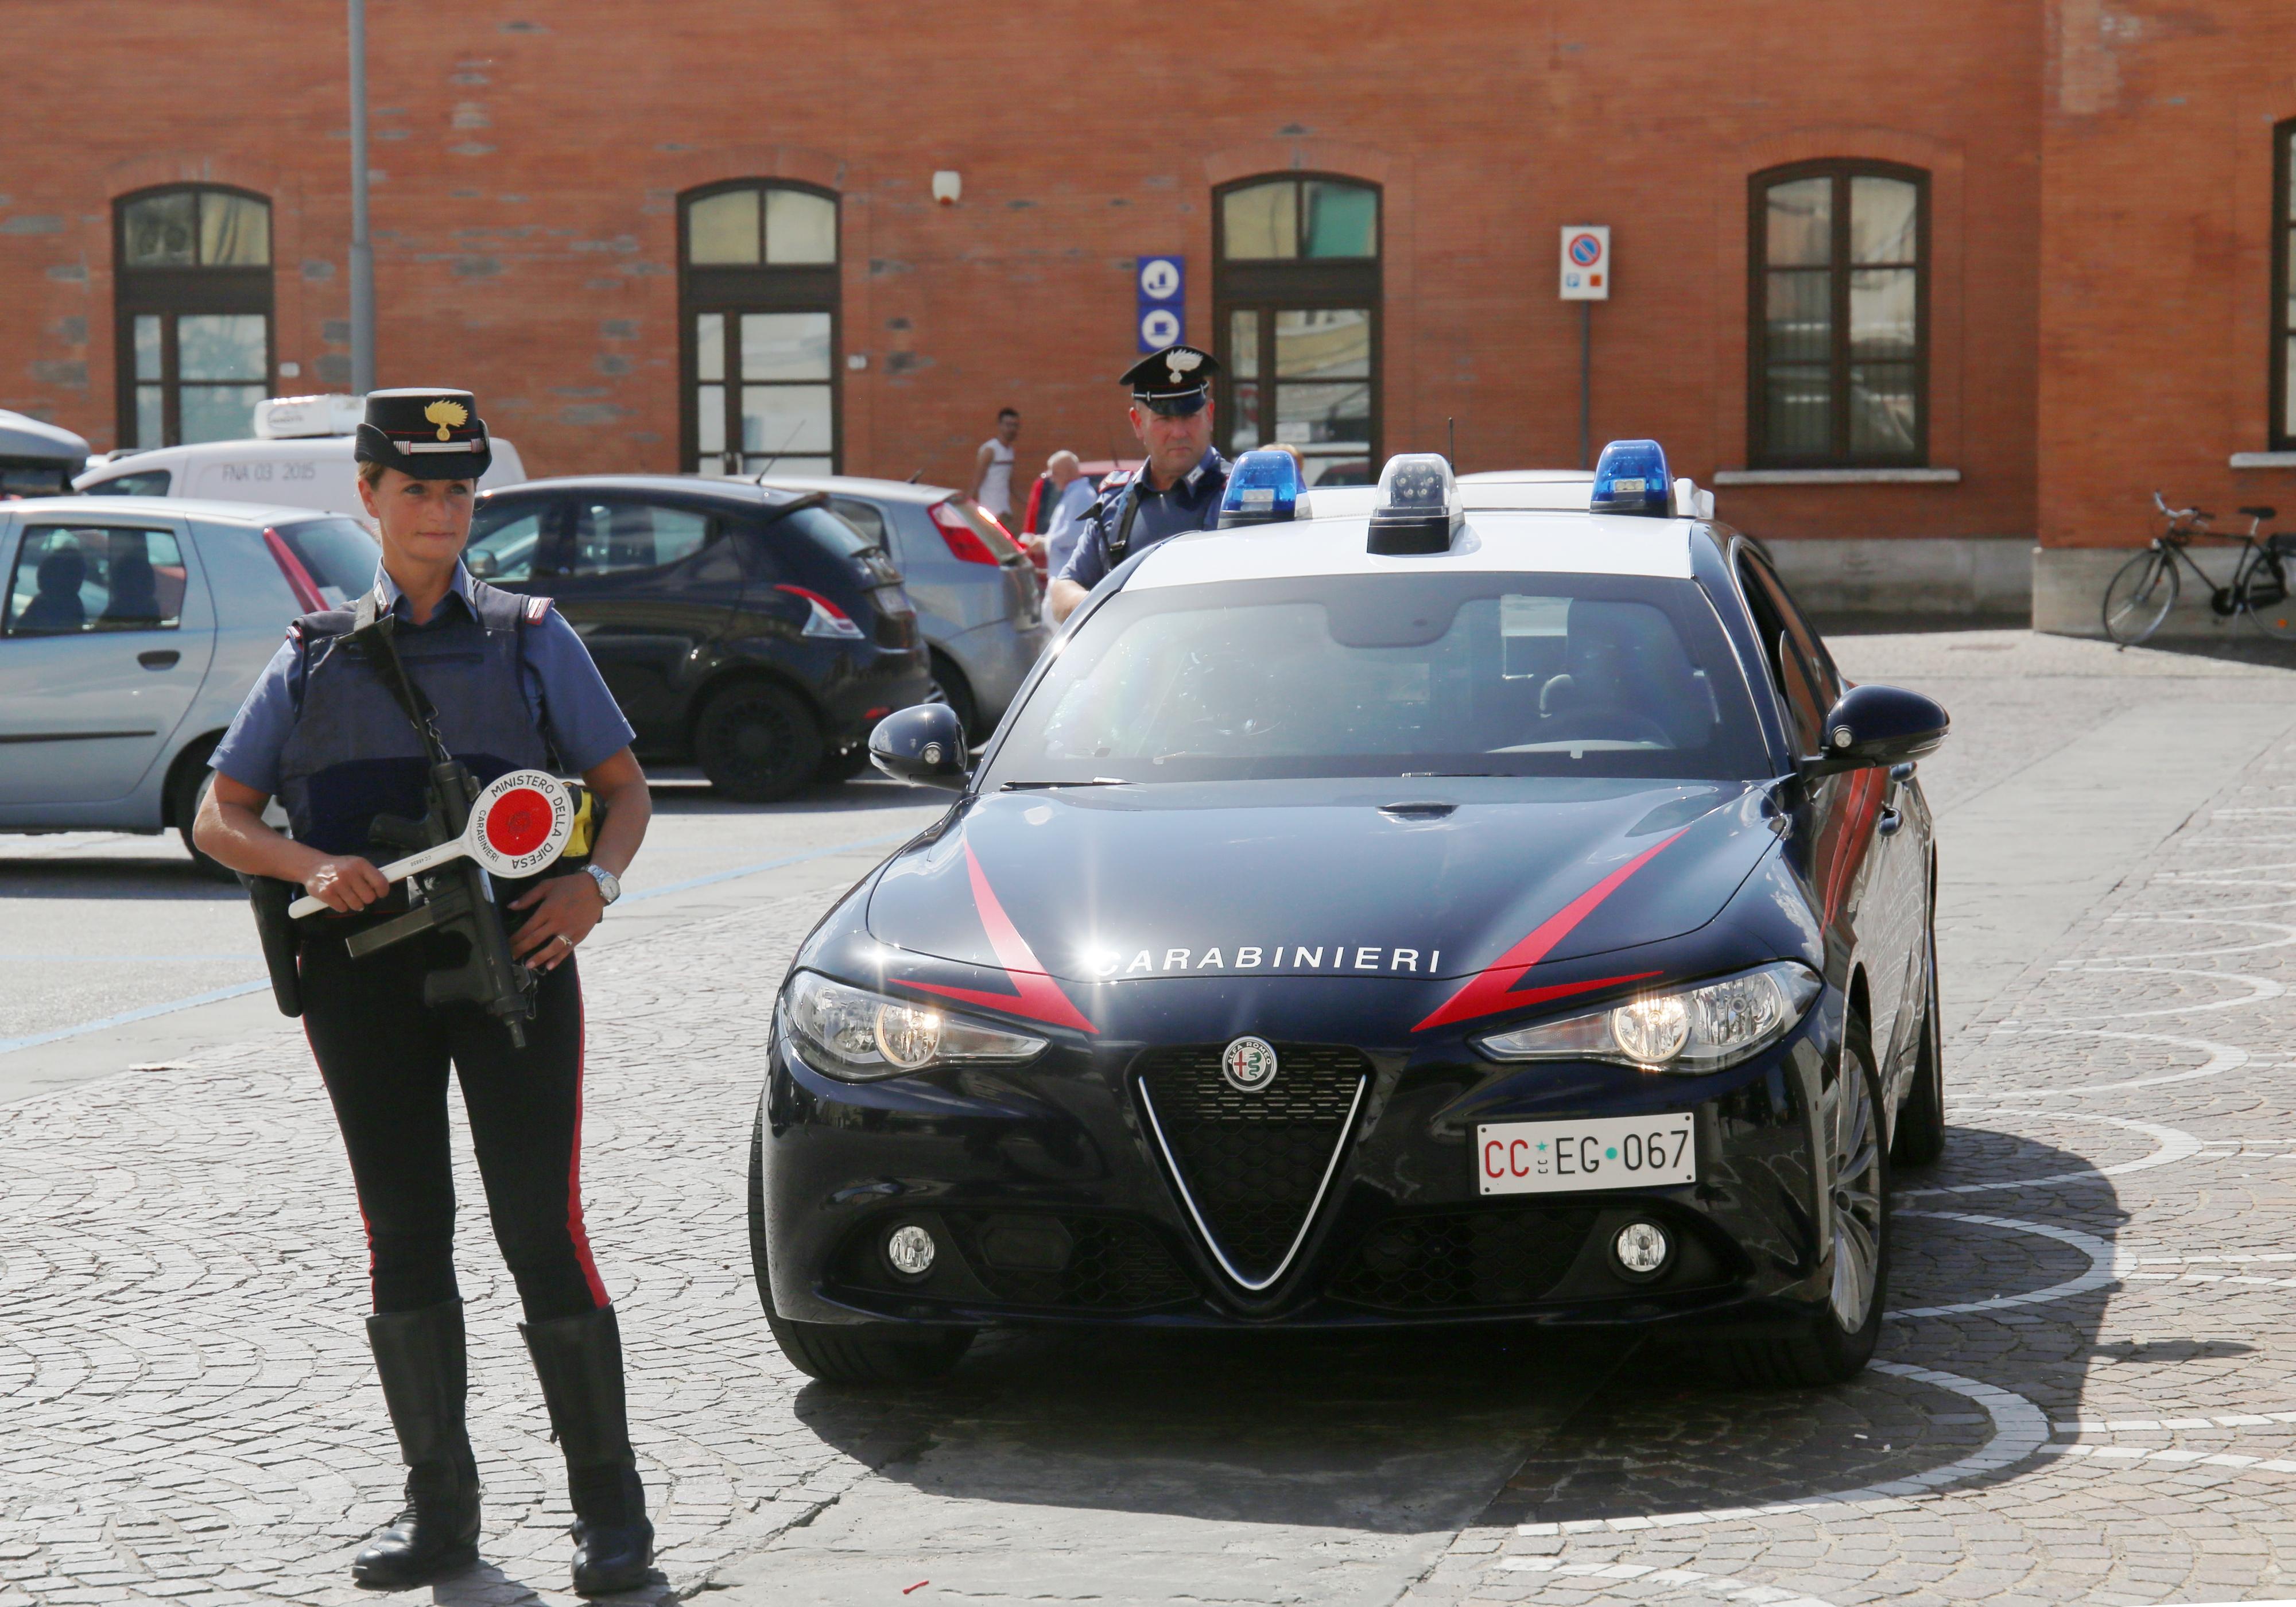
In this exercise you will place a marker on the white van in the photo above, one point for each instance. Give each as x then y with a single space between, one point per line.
295 460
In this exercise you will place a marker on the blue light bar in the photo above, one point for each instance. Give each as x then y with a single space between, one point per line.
1263 488
1631 477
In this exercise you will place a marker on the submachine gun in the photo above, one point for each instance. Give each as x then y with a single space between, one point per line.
515 826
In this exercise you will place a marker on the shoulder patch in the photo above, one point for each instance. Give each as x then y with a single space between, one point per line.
537 608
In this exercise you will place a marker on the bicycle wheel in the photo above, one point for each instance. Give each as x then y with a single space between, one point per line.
2140 596
2266 599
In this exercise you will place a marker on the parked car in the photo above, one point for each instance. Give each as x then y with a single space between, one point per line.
37 458
742 628
130 632
310 472
980 604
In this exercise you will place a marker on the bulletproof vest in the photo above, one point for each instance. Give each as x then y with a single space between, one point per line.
352 753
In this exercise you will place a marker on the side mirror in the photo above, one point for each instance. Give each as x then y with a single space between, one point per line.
924 746
1879 726
480 564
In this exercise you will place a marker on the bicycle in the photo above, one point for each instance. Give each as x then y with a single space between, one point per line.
2146 588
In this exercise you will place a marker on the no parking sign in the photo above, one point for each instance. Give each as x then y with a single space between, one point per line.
1586 262
1161 320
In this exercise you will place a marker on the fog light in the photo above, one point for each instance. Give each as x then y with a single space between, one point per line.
910 1250
1640 1249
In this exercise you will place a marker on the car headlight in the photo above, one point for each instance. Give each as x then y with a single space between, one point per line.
852 1033
1700 1028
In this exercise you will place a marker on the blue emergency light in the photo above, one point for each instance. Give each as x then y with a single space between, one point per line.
1263 488
1419 509
1630 477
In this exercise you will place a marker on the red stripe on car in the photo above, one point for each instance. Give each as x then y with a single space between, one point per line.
1488 991
1038 996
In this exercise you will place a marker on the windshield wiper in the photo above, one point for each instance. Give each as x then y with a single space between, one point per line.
1032 786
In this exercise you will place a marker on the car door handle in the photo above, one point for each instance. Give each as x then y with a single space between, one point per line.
159 657
1891 819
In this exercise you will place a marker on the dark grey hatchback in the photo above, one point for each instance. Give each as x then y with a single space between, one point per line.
748 630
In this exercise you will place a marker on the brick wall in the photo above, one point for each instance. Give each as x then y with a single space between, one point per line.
529 156
2156 261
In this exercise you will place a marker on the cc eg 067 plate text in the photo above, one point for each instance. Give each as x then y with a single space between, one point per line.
1561 1157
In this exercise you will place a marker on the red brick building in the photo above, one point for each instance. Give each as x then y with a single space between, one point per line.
1912 287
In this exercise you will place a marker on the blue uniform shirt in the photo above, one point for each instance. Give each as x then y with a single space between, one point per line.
564 694
1191 503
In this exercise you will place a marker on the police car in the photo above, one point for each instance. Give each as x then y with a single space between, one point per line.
1490 904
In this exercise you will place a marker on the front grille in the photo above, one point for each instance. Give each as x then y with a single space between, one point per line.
1464 1260
1079 1263
1252 1165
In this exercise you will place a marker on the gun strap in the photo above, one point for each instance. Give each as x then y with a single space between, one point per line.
1122 542
375 633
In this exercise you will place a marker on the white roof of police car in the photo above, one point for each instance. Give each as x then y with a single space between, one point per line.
88 510
1512 541
1559 489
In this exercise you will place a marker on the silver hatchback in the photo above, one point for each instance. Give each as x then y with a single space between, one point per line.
131 628
979 605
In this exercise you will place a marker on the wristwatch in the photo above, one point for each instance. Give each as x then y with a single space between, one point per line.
610 886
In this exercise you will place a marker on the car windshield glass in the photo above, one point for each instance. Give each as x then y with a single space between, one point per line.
338 554
1391 674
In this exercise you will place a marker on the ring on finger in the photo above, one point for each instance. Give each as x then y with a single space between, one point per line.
562 937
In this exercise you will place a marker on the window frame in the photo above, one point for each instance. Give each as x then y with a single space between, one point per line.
9 622
2281 429
717 526
733 290
168 293
1841 171
1270 285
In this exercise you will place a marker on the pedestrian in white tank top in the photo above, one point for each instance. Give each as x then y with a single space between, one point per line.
992 467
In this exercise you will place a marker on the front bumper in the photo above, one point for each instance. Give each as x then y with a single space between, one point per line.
1050 1198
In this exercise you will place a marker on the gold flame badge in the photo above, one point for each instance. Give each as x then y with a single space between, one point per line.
449 416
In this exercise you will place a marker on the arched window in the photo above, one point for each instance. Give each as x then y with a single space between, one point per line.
757 274
1839 315
1296 308
192 271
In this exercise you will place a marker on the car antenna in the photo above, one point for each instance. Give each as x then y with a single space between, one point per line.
1451 443
916 475
787 442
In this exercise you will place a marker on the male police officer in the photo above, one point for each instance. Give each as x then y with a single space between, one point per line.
1177 489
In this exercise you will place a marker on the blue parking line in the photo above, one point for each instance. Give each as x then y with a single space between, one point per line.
10 1046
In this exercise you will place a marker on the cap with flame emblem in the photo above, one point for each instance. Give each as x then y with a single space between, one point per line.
1174 382
429 434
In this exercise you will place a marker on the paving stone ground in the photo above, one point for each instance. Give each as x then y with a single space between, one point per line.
2106 1416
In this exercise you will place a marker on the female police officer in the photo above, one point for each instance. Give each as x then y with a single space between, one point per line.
510 687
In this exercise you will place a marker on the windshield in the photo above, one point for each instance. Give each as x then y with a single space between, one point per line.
1391 674
338 554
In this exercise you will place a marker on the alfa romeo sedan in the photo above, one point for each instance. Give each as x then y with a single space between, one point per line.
1491 905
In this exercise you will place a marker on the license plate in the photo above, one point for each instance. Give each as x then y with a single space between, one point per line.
1561 1157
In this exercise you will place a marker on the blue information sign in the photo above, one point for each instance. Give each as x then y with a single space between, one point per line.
1162 282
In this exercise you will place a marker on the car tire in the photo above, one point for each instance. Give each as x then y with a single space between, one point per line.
863 1353
1832 1342
1920 1137
957 691
185 792
757 743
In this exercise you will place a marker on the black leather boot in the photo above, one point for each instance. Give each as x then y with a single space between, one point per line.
419 1357
579 1361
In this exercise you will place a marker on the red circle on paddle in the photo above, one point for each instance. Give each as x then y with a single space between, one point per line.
519 821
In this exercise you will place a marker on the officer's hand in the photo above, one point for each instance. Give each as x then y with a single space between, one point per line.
346 884
565 910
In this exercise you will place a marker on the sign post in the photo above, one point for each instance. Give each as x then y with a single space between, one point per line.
1160 319
1585 279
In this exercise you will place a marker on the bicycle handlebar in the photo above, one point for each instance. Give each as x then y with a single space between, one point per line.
2179 514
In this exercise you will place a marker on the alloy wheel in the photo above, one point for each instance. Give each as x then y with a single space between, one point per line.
1857 1198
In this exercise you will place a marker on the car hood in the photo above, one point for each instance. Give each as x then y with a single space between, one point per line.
1400 879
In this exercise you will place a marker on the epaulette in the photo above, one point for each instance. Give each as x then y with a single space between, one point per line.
538 609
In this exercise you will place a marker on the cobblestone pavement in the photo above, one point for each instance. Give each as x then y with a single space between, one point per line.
2085 1394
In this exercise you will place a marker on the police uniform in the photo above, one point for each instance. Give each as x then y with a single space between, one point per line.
509 686
1132 516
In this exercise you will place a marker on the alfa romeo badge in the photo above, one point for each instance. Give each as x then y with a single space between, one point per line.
1249 1064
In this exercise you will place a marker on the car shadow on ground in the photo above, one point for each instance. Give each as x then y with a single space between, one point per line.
1406 1432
